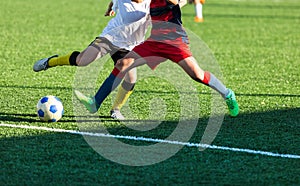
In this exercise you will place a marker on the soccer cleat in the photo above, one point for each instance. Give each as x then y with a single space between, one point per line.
88 102
42 64
232 104
198 19
116 114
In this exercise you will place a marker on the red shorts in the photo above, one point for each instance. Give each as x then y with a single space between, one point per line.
155 52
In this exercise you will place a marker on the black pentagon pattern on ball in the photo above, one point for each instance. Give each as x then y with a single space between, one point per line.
52 120
41 113
44 100
53 108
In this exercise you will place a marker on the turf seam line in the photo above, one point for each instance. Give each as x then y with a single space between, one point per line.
188 144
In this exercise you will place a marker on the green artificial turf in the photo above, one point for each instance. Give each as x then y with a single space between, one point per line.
256 47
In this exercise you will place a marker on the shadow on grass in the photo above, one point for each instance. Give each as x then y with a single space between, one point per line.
274 122
36 87
12 117
30 118
155 91
66 159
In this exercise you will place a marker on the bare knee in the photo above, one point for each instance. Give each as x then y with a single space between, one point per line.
123 64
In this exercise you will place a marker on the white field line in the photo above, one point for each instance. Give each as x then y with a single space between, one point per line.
188 144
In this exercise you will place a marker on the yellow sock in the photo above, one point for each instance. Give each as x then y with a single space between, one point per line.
61 60
121 98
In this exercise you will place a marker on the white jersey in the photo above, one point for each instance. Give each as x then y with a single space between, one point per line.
128 28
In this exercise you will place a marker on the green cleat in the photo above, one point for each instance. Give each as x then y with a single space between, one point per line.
88 102
232 104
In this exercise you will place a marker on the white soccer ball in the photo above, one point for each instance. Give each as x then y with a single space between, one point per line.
50 109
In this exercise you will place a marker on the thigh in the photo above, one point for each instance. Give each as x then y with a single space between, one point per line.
177 50
151 52
87 56
97 49
130 61
191 67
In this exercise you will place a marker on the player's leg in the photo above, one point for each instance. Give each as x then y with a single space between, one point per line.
76 58
98 48
89 55
124 91
126 88
191 67
43 64
124 65
198 10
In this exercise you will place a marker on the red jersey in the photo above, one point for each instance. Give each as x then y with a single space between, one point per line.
166 21
168 39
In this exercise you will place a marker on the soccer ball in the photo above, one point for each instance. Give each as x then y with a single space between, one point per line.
50 109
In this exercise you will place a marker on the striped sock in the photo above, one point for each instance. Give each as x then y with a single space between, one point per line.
213 82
